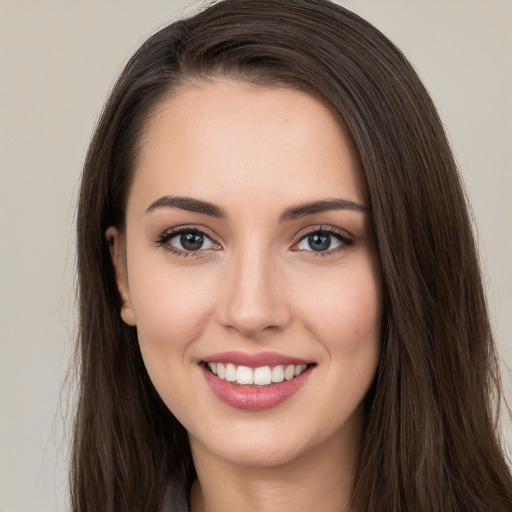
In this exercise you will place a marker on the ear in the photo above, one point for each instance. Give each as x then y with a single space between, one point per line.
117 254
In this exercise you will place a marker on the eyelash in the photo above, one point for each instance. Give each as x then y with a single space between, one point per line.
344 239
164 239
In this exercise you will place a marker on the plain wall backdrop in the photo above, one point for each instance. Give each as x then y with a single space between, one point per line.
58 60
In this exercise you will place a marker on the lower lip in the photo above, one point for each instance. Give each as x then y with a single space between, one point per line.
254 398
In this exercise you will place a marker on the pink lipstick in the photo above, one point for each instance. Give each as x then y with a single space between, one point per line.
253 360
254 381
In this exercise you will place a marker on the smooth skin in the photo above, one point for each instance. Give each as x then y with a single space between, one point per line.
254 282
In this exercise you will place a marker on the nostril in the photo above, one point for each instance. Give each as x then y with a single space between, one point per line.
253 302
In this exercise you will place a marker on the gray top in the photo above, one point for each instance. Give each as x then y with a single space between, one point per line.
174 502
176 508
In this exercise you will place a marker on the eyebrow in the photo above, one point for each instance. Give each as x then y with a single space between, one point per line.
189 204
198 206
322 206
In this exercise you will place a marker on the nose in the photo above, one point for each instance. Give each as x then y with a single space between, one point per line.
255 299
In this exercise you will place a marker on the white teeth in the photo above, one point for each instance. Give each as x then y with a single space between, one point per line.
221 371
299 369
230 372
261 376
244 375
277 374
289 372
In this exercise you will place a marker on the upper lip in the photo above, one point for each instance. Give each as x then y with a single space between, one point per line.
254 360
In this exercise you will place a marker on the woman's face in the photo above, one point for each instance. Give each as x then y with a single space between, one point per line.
248 257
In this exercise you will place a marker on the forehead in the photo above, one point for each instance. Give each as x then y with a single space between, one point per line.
223 137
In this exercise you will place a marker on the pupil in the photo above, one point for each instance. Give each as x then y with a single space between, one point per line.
319 242
191 241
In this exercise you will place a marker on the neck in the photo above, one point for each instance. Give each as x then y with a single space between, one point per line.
322 479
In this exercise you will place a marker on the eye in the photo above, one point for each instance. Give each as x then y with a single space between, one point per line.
191 241
184 241
325 240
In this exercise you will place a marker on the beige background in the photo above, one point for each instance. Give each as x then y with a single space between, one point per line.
58 60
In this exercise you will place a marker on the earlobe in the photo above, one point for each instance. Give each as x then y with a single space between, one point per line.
118 261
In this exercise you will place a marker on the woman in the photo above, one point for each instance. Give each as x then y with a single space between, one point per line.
281 306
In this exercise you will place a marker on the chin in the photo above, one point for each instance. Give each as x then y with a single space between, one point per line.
261 446
260 455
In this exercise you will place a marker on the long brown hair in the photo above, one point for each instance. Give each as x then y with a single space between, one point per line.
430 442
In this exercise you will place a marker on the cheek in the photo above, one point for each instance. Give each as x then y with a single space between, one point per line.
346 310
345 318
171 307
171 311
347 322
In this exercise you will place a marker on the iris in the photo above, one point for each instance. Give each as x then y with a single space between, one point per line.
319 241
191 241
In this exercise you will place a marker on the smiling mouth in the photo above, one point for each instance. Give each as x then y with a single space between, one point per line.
255 377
